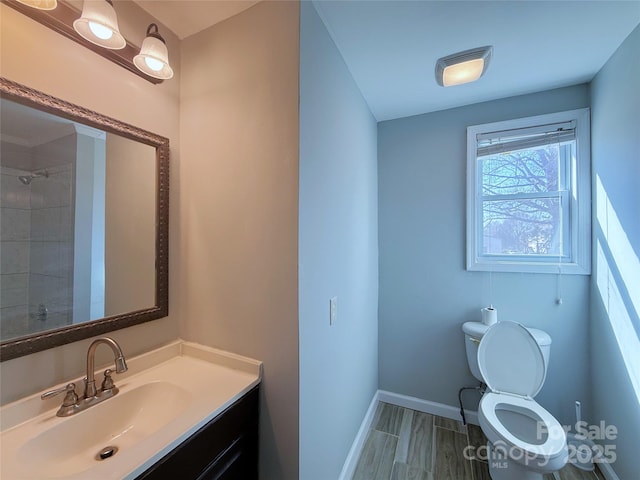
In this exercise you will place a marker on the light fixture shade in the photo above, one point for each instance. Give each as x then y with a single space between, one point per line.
40 4
153 59
99 24
463 67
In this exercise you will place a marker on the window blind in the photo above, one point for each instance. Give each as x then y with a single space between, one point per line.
493 143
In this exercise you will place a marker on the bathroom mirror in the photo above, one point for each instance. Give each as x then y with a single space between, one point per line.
83 225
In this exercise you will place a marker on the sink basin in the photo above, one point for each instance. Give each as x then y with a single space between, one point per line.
165 397
71 446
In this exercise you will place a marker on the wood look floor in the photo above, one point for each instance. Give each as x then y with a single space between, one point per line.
405 444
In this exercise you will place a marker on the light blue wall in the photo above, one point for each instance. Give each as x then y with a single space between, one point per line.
338 253
615 284
426 293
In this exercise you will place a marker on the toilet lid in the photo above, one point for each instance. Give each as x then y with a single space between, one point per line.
511 360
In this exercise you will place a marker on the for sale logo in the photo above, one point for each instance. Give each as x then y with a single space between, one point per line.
581 449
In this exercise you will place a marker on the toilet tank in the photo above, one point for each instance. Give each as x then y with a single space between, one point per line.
473 333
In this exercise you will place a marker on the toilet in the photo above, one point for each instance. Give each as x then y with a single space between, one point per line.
525 440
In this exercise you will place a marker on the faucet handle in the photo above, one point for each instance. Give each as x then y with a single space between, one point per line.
107 383
70 399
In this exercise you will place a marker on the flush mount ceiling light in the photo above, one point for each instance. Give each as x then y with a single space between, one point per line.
99 24
463 67
40 4
153 58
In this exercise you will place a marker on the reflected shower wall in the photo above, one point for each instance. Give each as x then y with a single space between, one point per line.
37 236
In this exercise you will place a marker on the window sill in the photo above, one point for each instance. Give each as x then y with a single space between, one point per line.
528 267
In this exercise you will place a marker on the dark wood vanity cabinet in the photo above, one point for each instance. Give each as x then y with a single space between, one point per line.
226 448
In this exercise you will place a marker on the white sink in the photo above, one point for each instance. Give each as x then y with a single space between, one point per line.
71 446
165 397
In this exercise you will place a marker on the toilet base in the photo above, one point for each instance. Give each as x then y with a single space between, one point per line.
501 467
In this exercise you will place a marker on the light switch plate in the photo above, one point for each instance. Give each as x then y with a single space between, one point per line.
333 310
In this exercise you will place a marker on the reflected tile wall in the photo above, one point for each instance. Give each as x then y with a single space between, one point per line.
14 257
15 224
51 252
12 193
36 238
51 224
14 321
14 298
55 192
14 290
15 227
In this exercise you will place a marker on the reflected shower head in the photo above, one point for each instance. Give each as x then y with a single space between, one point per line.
26 179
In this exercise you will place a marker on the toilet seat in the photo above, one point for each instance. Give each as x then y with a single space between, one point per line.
555 443
513 367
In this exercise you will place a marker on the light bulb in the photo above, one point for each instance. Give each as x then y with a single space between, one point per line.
100 31
153 59
153 64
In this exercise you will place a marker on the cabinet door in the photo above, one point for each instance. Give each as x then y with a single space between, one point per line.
225 448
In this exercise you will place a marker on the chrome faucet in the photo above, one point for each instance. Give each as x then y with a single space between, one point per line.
71 403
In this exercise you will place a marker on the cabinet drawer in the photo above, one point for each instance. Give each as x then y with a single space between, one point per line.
234 463
226 444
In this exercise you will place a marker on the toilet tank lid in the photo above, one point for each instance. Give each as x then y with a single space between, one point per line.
475 329
541 336
478 329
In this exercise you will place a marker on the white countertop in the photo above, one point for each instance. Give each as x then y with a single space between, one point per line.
208 380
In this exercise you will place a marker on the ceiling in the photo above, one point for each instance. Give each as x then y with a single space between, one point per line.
186 17
391 46
30 127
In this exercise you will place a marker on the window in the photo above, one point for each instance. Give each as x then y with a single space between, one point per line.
529 196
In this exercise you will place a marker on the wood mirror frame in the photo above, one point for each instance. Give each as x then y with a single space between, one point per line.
44 340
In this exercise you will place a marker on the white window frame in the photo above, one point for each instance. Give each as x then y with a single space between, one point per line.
579 224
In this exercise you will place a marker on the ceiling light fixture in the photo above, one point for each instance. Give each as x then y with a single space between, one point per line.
40 4
99 24
463 67
153 58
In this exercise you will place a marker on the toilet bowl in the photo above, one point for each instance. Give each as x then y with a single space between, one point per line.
525 440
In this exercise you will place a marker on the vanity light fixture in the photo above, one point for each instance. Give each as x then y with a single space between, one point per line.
40 4
99 24
153 58
463 67
96 28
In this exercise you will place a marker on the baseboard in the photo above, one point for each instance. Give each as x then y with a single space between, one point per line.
427 406
405 401
351 461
